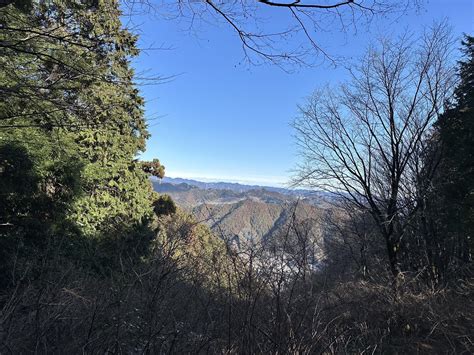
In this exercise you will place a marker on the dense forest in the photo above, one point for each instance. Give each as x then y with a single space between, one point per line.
93 260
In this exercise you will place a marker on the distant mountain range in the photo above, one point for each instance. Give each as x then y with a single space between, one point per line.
242 188
246 214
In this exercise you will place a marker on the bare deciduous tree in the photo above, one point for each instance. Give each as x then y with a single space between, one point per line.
364 140
265 37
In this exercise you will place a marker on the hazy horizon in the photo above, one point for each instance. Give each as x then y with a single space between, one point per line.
222 119
257 181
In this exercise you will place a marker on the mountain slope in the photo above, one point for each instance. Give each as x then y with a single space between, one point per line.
246 216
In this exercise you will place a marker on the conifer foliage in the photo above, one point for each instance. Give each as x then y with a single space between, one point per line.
454 186
68 98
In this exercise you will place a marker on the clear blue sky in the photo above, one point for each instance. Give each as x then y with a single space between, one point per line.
222 120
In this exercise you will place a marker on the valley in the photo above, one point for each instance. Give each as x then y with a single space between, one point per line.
249 216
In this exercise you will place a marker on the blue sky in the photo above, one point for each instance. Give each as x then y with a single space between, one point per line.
221 119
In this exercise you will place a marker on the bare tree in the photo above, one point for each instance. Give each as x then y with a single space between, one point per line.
262 33
364 140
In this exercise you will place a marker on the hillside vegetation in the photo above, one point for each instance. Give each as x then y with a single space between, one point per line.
93 260
248 215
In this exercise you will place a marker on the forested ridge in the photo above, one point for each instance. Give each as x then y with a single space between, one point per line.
92 260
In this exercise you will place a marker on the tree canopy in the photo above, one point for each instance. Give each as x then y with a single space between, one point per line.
69 97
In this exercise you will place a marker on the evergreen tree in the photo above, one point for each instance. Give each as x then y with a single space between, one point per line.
455 180
117 189
67 85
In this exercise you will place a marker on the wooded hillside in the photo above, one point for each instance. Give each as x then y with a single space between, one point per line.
93 260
